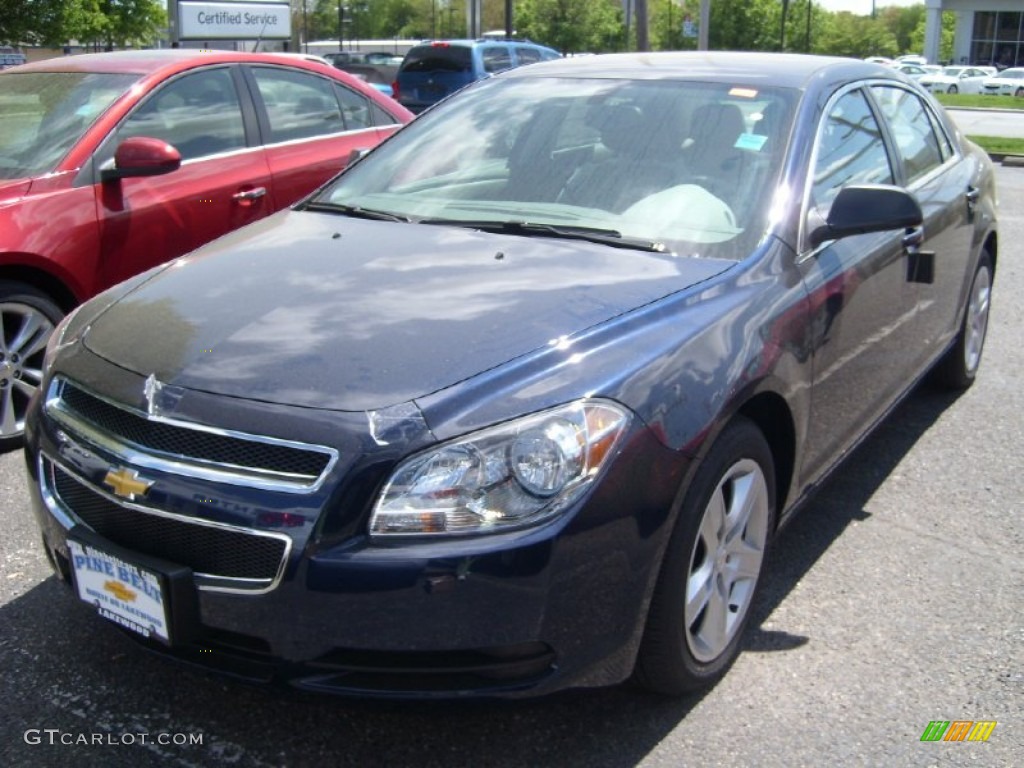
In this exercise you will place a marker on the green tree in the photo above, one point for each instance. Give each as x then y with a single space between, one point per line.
31 22
903 23
745 25
572 26
845 34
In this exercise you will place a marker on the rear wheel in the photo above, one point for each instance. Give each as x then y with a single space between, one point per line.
27 318
712 567
959 367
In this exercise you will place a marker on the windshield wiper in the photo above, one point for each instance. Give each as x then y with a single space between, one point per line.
528 229
356 211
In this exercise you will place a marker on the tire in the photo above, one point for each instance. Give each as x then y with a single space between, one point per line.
952 89
715 560
1019 93
959 367
28 317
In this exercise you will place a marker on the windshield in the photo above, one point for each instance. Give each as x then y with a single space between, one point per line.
688 165
44 113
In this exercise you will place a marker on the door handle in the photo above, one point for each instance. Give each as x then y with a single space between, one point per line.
912 239
249 195
972 195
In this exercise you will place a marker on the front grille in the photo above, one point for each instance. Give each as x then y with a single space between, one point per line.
207 549
226 452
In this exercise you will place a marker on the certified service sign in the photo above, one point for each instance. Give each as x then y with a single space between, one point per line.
234 21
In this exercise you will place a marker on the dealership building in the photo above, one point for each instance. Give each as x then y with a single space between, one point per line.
987 31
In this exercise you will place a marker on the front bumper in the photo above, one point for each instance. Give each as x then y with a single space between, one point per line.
515 614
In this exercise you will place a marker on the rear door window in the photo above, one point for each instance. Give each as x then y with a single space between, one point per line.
919 148
527 55
496 58
299 105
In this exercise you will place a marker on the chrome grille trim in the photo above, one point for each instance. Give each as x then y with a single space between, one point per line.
139 455
207 582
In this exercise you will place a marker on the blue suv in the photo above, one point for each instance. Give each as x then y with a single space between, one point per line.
433 70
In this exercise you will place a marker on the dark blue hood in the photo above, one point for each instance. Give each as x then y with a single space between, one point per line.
325 311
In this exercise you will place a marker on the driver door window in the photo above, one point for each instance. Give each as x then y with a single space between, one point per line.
199 114
850 151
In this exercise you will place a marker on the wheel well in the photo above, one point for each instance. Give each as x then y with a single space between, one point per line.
43 281
771 415
990 247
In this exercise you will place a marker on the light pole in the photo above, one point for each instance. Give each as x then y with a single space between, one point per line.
305 29
341 26
782 31
668 42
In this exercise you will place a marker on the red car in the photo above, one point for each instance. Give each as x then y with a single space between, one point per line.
112 163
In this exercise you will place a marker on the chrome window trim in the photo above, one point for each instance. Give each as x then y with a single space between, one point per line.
215 582
321 137
217 155
804 253
202 469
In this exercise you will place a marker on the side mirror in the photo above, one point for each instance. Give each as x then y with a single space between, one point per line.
356 155
864 208
141 156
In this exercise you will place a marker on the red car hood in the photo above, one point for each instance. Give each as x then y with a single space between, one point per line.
13 189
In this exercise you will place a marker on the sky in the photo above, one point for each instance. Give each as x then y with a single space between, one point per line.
862 7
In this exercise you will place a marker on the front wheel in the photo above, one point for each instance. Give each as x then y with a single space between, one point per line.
712 567
952 89
959 367
1019 93
27 318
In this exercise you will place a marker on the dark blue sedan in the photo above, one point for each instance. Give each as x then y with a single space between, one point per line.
519 401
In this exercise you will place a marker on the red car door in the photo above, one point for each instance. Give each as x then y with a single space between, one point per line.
310 125
223 182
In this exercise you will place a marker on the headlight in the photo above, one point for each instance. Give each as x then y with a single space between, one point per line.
511 476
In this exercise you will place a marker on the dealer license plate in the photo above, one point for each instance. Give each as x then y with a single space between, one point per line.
129 595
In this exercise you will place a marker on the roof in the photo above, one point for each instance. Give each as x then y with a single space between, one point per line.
140 62
470 43
783 69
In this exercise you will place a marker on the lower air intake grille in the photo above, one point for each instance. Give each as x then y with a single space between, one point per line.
210 550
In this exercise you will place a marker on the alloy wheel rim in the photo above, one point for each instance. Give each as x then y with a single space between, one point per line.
977 320
726 560
24 332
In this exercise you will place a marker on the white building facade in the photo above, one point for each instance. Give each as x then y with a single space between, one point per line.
987 31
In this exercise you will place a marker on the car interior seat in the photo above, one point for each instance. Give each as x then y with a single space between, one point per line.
714 157
612 180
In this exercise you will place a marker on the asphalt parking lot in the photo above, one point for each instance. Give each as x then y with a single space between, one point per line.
894 600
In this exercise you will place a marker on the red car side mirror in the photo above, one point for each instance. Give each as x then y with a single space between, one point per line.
141 156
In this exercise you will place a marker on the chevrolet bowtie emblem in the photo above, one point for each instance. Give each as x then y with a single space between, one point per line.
126 483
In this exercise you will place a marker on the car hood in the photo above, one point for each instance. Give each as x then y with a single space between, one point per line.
324 311
13 189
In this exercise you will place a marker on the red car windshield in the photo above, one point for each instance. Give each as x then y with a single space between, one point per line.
45 113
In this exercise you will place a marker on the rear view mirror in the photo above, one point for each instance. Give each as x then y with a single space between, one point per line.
141 156
865 208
